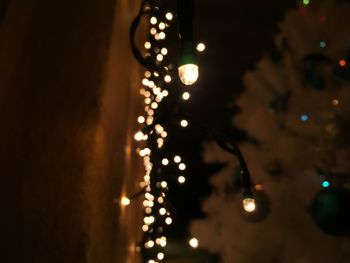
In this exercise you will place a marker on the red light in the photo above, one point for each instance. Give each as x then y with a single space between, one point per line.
342 63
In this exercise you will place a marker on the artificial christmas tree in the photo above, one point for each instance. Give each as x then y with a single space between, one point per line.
295 110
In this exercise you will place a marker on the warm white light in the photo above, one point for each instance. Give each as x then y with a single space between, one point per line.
162 241
249 204
159 57
177 159
200 47
186 96
193 242
162 35
184 123
151 261
148 45
160 256
188 73
153 31
139 136
161 26
181 179
182 166
162 211
145 228
165 93
164 184
150 243
154 105
147 73
125 201
169 16
164 51
141 119
165 161
167 78
153 20
168 220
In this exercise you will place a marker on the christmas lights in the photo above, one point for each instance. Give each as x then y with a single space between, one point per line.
158 83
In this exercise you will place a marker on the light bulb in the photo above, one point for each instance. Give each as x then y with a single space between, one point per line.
188 73
249 204
125 201
193 242
139 136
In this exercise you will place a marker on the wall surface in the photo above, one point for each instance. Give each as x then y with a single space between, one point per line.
67 109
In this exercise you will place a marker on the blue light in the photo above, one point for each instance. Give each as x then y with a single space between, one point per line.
304 117
325 184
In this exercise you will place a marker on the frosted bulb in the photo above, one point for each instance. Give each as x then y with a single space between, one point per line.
249 204
188 73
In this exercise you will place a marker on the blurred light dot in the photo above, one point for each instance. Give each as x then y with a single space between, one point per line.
181 179
162 211
164 184
342 62
161 26
201 47
148 45
125 201
323 44
162 35
186 95
306 2
177 159
184 123
153 20
164 51
169 16
141 119
335 102
165 161
193 242
160 256
325 184
168 220
304 117
153 31
167 78
160 57
182 166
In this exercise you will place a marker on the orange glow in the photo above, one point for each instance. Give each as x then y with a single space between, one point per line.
342 63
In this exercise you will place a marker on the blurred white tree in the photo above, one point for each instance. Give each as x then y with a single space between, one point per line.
296 110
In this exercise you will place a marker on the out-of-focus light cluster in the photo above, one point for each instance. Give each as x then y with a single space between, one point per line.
154 89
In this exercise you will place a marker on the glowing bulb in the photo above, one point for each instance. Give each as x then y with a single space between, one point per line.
306 2
163 184
164 51
125 201
168 221
193 242
153 20
159 57
162 242
139 136
160 200
162 35
249 204
325 184
188 73
335 102
165 161
169 16
145 228
141 119
167 78
342 62
160 256
182 166
181 179
186 96
184 123
150 243
177 159
162 211
148 45
153 31
200 47
161 26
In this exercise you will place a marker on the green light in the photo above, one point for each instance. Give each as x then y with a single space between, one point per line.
306 2
325 184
